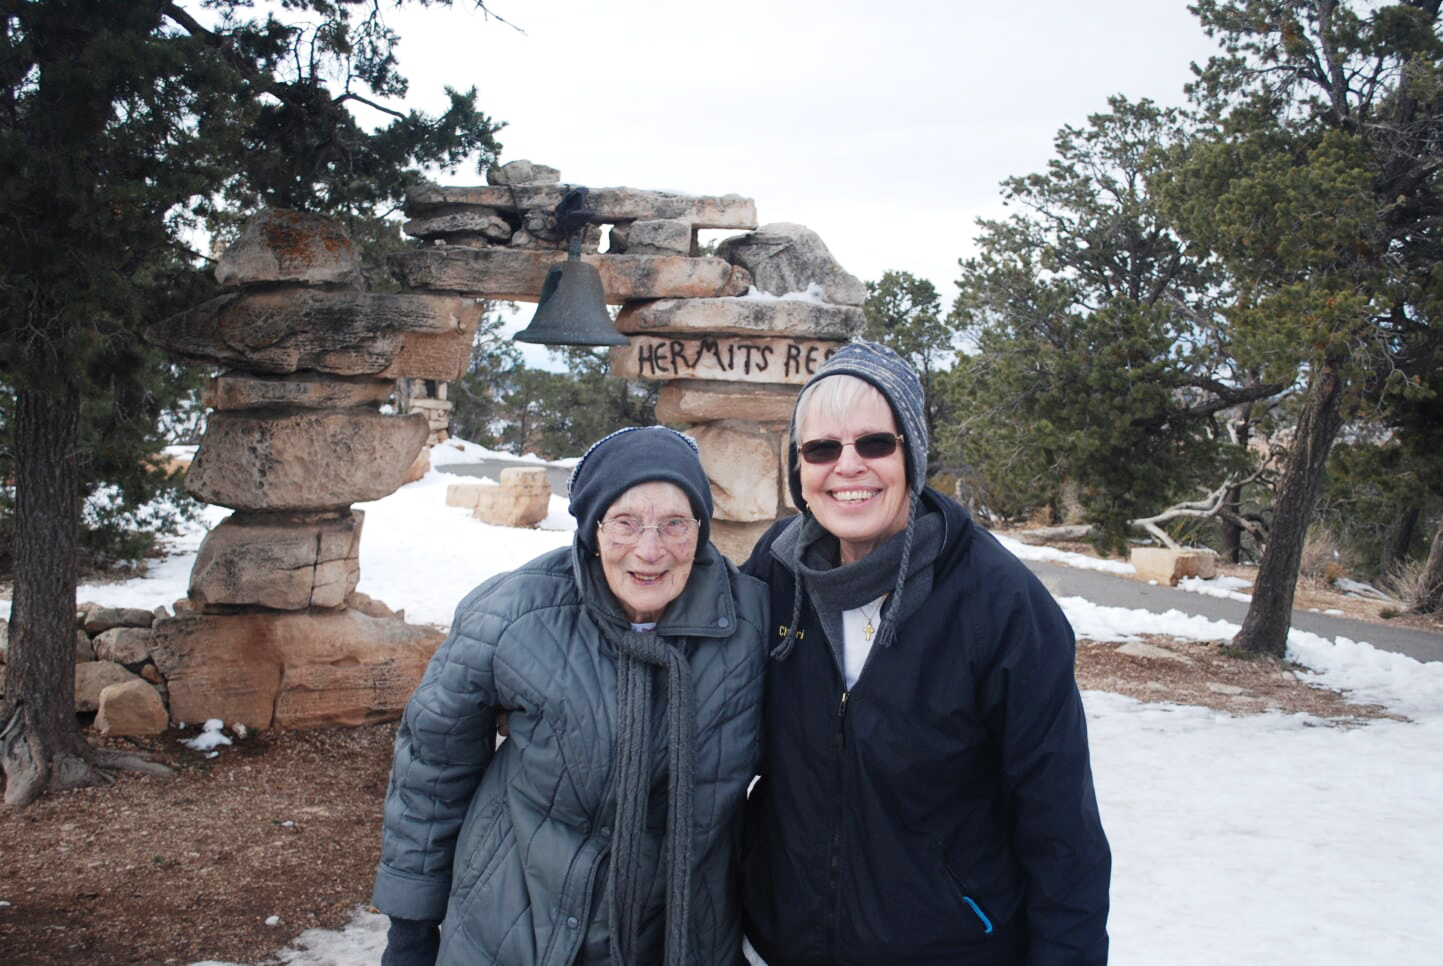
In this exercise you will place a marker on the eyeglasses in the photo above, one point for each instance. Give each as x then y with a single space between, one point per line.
625 531
872 446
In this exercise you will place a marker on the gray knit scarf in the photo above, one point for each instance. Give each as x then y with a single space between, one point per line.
902 564
638 653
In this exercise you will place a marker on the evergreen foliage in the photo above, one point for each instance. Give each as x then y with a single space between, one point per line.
124 126
1101 360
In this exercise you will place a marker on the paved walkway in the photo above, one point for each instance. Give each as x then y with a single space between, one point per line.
1113 591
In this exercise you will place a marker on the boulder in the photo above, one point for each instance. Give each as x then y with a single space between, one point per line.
243 390
98 619
276 245
697 402
131 708
129 646
456 220
747 315
512 273
302 460
279 563
84 647
309 669
521 172
343 333
92 677
611 205
784 257
743 469
1168 566
522 500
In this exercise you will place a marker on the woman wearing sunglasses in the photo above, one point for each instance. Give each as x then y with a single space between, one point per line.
629 665
926 795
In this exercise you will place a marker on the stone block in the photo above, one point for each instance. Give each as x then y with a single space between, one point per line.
611 205
303 459
98 619
757 359
420 466
244 390
1168 566
746 315
655 237
701 402
736 540
129 646
742 468
450 221
278 563
310 669
522 500
463 494
92 677
131 708
511 273
84 647
786 257
342 333
276 245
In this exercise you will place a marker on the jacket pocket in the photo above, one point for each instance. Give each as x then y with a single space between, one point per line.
968 897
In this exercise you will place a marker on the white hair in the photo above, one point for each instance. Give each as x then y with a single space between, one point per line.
835 398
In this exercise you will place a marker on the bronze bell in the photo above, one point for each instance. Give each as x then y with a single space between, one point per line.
572 309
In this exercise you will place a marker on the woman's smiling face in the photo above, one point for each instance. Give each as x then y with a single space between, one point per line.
651 572
859 501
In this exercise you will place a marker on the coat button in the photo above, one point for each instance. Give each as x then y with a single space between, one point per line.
722 622
572 922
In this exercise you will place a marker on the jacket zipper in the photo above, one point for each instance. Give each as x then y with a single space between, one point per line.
834 870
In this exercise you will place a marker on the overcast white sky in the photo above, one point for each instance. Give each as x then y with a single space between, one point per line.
886 127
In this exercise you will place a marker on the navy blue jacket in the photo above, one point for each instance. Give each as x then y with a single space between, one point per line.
942 811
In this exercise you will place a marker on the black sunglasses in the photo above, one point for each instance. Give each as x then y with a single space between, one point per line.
872 446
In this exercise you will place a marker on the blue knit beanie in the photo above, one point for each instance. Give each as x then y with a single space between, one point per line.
897 381
637 454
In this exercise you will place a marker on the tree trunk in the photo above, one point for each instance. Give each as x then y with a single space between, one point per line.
1397 538
1430 600
41 744
40 731
1232 537
1265 629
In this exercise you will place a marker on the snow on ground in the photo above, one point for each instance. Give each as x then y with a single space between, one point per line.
1266 839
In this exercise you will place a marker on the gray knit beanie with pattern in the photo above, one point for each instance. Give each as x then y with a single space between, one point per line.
898 383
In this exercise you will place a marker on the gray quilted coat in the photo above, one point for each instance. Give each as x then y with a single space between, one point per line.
510 847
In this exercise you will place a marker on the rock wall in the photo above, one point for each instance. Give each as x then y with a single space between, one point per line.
272 633
732 335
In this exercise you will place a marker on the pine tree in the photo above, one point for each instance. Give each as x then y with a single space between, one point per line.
122 124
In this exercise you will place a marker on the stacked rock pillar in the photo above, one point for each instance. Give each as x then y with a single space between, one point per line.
733 335
273 633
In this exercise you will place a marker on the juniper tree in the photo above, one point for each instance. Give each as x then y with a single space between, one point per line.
1315 181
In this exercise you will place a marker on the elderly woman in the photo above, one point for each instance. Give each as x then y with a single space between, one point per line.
926 796
604 829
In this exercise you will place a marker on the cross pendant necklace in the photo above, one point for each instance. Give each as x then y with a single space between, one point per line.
869 630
